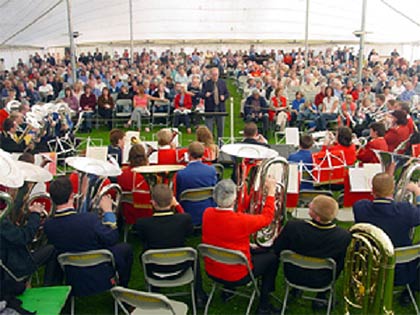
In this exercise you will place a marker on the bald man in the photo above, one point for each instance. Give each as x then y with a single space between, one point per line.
396 219
318 237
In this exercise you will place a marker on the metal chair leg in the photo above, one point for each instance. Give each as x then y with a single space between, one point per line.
251 301
286 295
193 299
209 300
330 301
72 306
413 299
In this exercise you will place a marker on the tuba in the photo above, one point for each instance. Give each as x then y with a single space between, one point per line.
369 271
405 167
8 205
158 174
96 172
253 164
278 168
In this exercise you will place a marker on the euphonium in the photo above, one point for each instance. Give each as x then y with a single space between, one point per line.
405 167
108 189
369 271
279 169
8 205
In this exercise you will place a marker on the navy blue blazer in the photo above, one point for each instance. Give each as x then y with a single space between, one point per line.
396 219
249 109
70 231
196 175
306 157
208 86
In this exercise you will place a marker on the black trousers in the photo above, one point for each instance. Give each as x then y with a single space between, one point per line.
47 256
266 265
123 257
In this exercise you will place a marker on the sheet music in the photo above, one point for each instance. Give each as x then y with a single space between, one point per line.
361 178
98 153
293 181
292 136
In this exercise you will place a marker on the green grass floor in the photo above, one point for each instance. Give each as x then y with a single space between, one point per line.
103 303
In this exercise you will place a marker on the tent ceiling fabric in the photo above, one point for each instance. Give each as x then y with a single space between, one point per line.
34 23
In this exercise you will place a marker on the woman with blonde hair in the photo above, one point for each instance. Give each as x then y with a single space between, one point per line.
204 136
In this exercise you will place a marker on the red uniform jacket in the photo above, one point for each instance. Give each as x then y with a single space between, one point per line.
366 155
167 156
272 113
394 136
187 101
231 230
141 206
3 116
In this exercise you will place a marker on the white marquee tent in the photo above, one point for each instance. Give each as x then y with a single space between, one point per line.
43 24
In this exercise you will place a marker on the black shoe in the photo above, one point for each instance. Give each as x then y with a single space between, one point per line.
319 305
201 300
404 298
226 296
268 310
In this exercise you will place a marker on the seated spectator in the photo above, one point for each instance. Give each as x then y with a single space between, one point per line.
163 94
106 106
166 148
46 90
195 175
329 109
124 94
88 106
304 155
183 106
399 131
129 181
348 111
71 100
307 112
224 227
396 219
279 111
296 103
255 110
343 142
376 142
405 107
320 238
167 229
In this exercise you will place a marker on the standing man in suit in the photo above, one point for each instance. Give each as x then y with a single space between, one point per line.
215 94
196 175
70 231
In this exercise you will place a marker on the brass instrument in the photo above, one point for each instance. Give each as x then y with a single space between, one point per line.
253 164
9 205
405 167
277 168
369 271
96 172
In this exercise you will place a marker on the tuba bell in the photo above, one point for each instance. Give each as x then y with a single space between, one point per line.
8 205
369 271
277 168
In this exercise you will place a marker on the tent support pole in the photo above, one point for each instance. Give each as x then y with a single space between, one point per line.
131 31
362 42
72 45
307 34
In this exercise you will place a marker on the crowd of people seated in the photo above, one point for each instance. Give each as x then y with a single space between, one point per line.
278 91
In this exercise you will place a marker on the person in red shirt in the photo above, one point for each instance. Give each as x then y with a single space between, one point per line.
377 142
141 206
343 143
405 107
319 98
223 227
183 105
399 132
278 106
348 111
166 149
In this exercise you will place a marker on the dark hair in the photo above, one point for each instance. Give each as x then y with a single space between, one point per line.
329 88
115 135
8 124
404 106
250 130
344 136
381 97
162 195
379 128
27 157
61 190
137 156
400 116
196 150
306 141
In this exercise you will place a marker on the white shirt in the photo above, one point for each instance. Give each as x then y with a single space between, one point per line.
330 103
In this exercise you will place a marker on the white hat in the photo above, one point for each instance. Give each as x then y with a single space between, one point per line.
11 175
